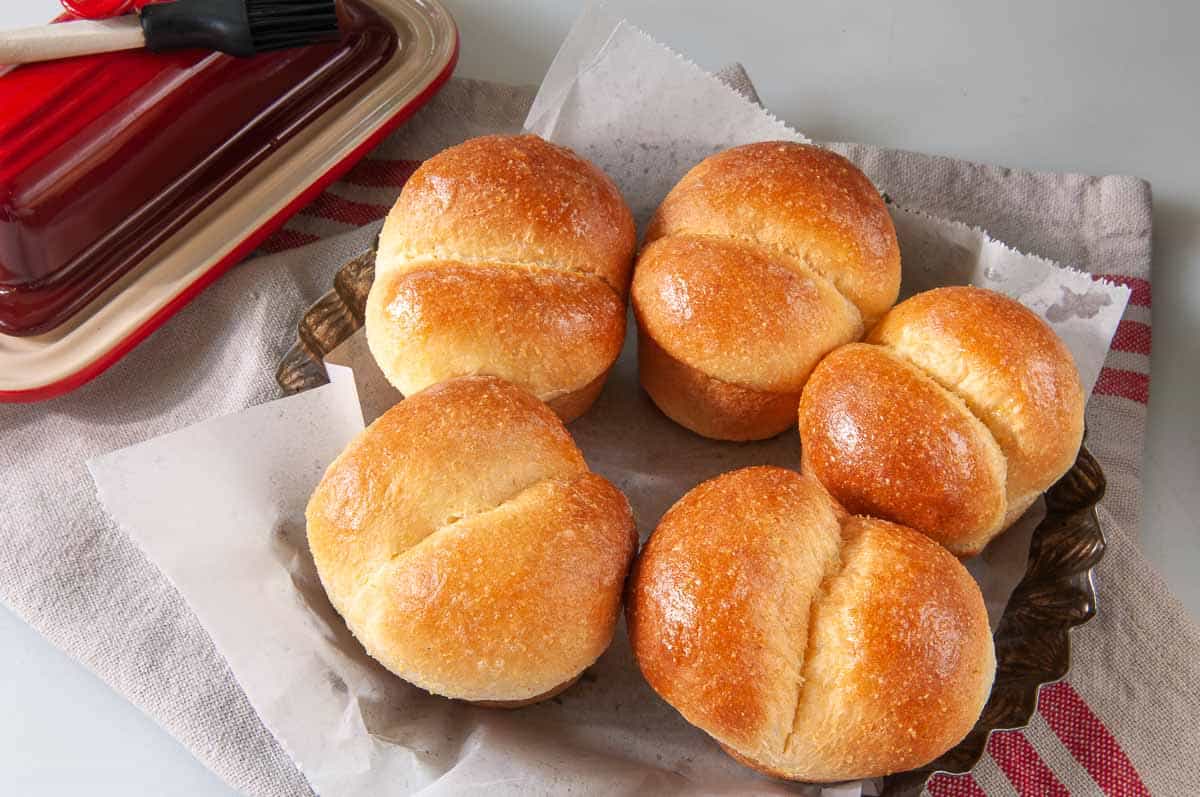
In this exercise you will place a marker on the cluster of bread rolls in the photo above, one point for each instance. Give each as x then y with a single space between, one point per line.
810 623
762 268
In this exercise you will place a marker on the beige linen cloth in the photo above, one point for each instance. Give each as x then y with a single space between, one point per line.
1126 721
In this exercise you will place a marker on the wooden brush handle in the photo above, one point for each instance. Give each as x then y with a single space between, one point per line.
67 39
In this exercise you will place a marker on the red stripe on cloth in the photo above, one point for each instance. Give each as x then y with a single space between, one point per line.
1023 767
1132 336
1082 732
1126 384
954 786
380 173
332 206
285 239
1139 286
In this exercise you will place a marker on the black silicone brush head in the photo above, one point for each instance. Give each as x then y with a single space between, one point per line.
239 27
278 24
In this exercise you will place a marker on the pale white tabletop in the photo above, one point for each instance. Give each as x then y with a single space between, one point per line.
1099 87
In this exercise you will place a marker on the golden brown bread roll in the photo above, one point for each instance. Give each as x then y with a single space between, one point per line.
812 645
508 256
959 411
469 548
762 259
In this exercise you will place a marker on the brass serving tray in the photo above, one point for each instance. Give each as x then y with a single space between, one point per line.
1033 645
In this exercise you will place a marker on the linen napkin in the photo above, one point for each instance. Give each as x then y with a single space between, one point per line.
1123 721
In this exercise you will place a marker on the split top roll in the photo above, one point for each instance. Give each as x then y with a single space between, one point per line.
506 256
812 645
760 261
959 410
469 548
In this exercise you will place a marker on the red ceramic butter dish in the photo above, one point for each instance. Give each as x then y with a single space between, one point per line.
105 156
128 181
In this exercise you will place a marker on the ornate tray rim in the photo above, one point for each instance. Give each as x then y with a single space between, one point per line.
1033 645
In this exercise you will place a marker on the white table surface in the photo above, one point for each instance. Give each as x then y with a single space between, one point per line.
1098 87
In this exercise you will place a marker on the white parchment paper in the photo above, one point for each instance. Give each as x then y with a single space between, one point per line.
219 506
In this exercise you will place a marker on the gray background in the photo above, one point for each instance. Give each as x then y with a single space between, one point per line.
1099 87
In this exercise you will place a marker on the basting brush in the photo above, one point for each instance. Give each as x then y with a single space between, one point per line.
237 27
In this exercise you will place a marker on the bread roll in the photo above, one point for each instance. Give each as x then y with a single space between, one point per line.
812 645
508 256
963 410
468 547
760 261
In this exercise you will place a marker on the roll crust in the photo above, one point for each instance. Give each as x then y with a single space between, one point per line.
554 223
560 332
808 206
708 406
512 199
737 314
891 442
468 547
1009 367
760 261
965 410
811 644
